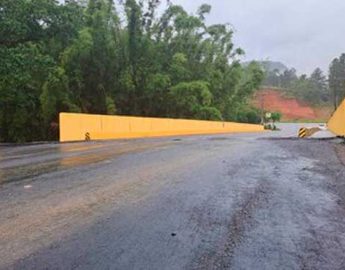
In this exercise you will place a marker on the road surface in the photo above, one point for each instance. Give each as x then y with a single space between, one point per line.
238 201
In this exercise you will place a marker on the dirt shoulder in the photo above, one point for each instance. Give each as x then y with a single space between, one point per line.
330 157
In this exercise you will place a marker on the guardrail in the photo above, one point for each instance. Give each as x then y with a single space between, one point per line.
80 127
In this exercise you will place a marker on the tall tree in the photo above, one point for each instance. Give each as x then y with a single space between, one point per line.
91 61
337 79
25 30
319 86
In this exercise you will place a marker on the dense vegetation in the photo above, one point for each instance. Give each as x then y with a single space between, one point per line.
337 80
102 57
315 89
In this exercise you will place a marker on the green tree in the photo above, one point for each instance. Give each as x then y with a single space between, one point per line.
319 86
337 80
26 27
91 60
193 100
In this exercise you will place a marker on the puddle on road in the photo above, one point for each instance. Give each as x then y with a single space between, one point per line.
23 172
68 148
219 139
33 152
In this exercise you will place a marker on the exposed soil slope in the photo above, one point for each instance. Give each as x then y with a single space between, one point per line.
292 109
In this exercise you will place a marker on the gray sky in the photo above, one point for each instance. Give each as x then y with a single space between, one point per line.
304 34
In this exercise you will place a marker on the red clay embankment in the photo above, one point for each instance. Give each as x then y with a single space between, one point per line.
292 109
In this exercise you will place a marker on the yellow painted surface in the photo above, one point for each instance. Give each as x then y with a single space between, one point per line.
337 122
73 127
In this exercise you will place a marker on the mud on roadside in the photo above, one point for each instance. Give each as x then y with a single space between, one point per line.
330 160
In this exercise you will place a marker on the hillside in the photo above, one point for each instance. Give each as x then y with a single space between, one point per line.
292 109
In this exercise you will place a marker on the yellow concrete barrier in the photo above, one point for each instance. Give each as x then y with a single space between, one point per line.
80 127
337 122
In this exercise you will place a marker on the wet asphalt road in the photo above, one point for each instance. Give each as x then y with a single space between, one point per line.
240 201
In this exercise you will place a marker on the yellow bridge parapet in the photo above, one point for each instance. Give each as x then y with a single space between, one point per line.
80 127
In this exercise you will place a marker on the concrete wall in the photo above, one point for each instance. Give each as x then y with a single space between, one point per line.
337 122
74 127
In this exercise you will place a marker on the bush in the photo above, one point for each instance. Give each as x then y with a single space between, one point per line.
250 116
276 116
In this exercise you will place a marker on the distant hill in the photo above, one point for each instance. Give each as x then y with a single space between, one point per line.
271 66
292 109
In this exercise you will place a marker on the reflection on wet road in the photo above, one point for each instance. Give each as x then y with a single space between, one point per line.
20 163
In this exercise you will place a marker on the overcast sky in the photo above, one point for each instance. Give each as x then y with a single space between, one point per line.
304 34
